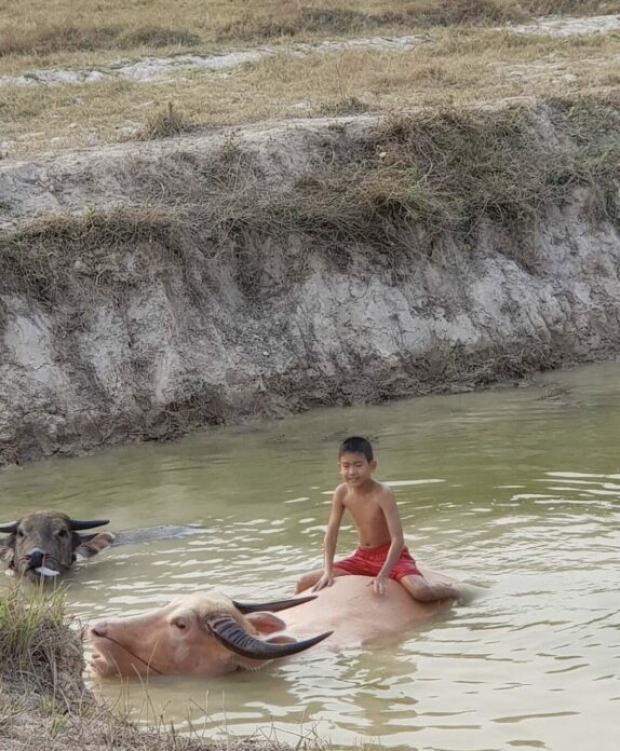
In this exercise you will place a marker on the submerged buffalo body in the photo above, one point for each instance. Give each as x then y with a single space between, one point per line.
209 635
44 544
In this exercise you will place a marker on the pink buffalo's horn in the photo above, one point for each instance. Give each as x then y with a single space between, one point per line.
226 629
271 607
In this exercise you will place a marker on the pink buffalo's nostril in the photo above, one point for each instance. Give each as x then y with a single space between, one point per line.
99 629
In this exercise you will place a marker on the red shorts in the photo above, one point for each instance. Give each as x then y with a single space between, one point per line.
369 563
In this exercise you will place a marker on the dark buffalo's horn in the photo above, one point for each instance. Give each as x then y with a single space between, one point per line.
77 526
271 607
11 527
226 629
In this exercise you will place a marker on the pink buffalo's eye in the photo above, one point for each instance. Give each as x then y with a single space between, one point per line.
180 624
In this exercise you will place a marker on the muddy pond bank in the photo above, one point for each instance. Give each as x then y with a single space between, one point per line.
147 289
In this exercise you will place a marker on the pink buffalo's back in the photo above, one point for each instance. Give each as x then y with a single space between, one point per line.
357 615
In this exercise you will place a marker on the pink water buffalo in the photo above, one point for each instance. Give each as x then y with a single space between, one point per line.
207 634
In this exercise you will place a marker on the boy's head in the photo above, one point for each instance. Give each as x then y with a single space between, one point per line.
356 462
356 445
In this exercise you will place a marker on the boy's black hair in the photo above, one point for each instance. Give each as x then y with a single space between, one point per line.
356 445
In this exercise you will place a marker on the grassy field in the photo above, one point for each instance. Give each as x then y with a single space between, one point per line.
36 28
462 58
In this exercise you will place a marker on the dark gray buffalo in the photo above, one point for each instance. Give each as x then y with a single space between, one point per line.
42 545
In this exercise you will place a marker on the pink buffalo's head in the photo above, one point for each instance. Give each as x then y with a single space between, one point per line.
197 635
44 544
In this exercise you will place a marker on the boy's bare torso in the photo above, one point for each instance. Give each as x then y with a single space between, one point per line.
367 513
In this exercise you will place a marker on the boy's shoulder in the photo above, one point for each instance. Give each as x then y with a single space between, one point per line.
377 489
382 489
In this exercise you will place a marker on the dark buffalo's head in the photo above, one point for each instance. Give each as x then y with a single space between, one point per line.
44 544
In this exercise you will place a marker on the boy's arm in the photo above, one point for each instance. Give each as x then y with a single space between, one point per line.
331 539
397 539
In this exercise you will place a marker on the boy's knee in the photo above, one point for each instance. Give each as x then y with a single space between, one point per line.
422 591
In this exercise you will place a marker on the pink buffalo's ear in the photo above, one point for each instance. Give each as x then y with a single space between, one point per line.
266 623
90 545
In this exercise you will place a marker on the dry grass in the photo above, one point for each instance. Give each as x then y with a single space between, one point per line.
89 35
36 28
451 68
35 644
444 174
166 123
41 261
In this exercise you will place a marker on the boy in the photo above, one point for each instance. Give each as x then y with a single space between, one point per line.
381 553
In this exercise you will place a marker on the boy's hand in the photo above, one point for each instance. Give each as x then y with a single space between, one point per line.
325 581
379 584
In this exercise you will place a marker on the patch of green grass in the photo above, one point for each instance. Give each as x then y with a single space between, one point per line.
32 632
311 20
569 7
347 21
466 13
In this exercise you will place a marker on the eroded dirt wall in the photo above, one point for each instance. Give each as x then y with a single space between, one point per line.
145 291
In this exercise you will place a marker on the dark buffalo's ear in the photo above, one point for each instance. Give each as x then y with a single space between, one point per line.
86 546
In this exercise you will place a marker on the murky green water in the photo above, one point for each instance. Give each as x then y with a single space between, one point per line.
518 489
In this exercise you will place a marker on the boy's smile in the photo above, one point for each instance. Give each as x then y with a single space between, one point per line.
355 469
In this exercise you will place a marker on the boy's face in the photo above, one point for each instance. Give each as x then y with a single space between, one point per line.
355 469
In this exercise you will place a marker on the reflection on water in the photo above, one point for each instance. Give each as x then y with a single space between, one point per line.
516 489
